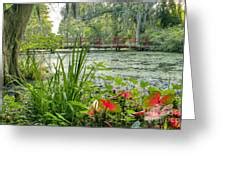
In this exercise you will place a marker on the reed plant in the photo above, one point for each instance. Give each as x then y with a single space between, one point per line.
32 68
62 98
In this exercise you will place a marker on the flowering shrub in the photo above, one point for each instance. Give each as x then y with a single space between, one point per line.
154 111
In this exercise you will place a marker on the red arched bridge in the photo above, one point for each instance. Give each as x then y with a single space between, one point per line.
116 43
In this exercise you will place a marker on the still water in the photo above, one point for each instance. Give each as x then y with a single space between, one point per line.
148 66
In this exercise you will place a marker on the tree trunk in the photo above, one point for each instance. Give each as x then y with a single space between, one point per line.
15 21
138 29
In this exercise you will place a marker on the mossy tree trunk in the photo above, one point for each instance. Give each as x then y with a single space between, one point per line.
15 21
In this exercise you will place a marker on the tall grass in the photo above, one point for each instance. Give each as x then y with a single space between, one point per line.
31 68
60 99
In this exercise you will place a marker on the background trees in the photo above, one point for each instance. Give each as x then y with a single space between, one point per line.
38 33
134 20
39 22
168 14
27 26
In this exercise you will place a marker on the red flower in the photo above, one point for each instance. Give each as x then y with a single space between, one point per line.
175 122
109 105
126 95
156 99
164 99
176 112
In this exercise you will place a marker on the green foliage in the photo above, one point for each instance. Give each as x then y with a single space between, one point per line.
38 33
71 98
106 21
39 23
103 22
13 112
31 68
168 14
59 100
168 40
47 42
6 6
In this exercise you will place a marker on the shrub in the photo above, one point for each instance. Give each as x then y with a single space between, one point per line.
49 42
13 112
167 40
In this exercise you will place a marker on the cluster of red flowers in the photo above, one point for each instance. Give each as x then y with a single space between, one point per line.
157 106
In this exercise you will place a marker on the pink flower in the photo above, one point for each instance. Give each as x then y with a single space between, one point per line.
153 114
158 112
166 110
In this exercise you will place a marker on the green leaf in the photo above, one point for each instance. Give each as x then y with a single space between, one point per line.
177 86
132 80
62 118
78 104
144 84
153 89
130 111
118 81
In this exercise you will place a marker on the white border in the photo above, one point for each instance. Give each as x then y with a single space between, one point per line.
188 111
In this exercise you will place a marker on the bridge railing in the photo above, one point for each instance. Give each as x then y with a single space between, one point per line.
114 42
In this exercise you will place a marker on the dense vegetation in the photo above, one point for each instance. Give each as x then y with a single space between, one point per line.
71 98
141 21
160 26
36 95
38 34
